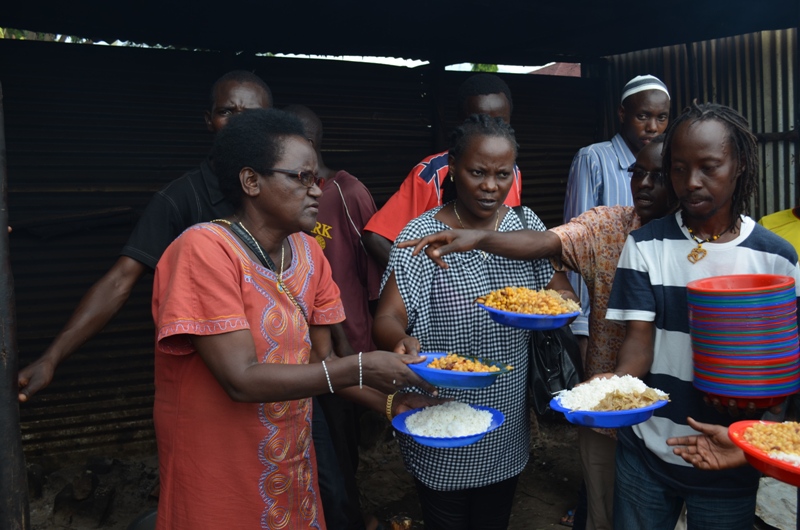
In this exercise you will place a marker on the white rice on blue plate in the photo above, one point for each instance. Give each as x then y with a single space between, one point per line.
448 420
588 395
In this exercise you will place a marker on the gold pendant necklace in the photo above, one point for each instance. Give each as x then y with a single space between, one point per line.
699 252
484 255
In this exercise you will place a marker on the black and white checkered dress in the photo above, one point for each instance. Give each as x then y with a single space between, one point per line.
442 316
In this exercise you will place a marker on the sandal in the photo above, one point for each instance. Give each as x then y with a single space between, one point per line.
568 519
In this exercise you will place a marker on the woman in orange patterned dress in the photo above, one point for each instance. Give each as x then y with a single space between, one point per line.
242 308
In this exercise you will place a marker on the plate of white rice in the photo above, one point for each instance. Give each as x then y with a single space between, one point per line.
578 404
450 424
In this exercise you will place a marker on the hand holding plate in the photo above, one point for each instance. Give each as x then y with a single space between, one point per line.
408 346
411 400
388 372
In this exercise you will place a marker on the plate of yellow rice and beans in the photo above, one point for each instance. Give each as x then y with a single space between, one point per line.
520 307
771 447
449 370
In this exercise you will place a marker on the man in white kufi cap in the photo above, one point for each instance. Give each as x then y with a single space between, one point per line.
599 176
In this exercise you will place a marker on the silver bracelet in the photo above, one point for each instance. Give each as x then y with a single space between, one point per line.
328 377
360 373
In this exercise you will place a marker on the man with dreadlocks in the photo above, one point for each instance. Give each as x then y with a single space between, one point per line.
711 157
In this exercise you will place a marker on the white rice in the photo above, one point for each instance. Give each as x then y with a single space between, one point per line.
449 420
786 457
588 395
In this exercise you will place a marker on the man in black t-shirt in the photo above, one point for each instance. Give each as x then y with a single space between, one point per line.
193 198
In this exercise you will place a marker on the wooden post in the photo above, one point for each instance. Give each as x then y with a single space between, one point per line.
14 510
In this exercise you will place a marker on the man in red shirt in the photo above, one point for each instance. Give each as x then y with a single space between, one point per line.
422 188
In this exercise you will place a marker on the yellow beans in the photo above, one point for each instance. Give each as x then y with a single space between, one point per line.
775 437
524 300
456 363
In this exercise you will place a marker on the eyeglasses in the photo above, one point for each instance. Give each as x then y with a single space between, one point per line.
639 174
306 178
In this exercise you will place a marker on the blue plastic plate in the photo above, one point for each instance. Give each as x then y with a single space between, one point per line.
451 379
526 321
617 418
399 423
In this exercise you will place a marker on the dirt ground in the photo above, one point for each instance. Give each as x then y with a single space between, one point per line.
115 491
547 488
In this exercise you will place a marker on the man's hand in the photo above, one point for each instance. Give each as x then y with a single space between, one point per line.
97 307
443 243
34 377
711 450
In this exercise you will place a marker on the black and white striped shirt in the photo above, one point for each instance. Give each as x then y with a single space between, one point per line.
650 286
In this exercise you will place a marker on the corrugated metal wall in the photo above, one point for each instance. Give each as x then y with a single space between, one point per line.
92 132
753 73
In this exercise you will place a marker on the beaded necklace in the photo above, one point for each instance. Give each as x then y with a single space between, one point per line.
699 252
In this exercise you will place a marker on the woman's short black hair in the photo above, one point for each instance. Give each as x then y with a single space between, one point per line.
476 125
480 125
254 139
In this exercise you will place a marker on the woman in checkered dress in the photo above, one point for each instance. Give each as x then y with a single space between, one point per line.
427 308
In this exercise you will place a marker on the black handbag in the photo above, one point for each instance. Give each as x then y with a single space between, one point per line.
554 366
555 360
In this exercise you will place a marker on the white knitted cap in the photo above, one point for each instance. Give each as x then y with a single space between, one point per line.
640 83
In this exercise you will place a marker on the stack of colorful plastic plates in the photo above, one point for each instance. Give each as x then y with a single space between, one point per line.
744 337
